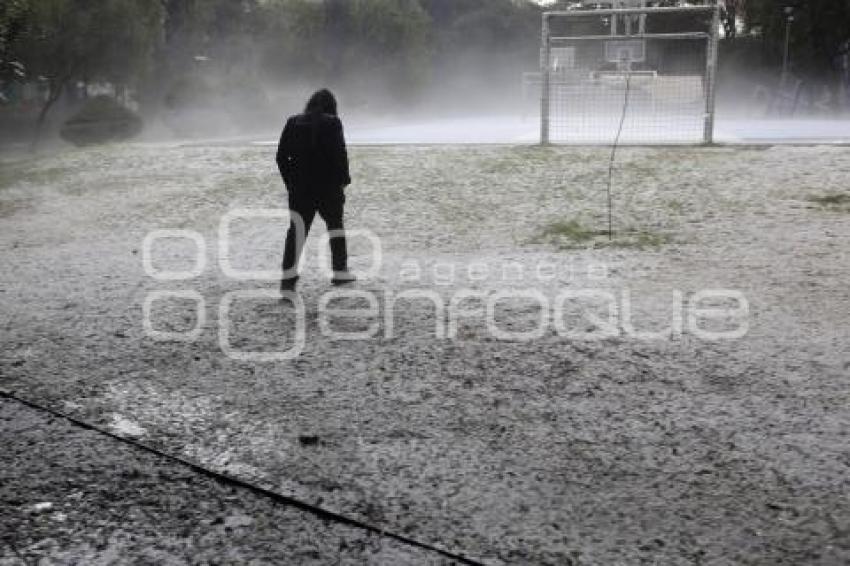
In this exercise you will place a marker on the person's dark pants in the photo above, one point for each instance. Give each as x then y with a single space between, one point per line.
330 206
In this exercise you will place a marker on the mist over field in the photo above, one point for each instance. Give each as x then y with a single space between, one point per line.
233 69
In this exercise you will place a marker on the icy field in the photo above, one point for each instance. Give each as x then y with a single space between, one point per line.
667 449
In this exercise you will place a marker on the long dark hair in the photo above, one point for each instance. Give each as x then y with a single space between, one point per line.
322 102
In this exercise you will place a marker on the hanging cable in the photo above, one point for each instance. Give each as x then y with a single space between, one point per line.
614 155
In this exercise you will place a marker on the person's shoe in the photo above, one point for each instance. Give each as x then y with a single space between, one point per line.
343 278
288 285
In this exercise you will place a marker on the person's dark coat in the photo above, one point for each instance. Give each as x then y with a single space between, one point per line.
312 156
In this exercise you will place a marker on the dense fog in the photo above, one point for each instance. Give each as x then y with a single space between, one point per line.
235 69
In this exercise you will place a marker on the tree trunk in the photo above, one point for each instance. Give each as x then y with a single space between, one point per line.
56 88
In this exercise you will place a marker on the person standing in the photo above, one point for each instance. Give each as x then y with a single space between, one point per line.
313 161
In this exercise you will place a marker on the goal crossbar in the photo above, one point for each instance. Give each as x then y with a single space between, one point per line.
683 35
629 11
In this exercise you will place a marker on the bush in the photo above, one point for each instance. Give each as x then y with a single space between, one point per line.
101 120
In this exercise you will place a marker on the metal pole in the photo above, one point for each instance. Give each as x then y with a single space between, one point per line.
711 76
545 69
789 17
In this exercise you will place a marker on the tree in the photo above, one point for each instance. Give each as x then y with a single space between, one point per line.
398 28
12 20
348 40
294 37
729 18
12 23
819 33
67 40
221 30
466 31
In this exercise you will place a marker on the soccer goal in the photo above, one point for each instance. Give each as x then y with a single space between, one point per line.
633 72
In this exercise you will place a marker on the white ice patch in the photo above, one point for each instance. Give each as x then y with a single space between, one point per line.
125 427
41 507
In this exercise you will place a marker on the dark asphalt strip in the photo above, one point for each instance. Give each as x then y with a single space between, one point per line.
236 482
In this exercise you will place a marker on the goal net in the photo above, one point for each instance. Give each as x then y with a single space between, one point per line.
645 73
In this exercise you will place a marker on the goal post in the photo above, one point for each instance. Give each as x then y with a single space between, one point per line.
644 73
